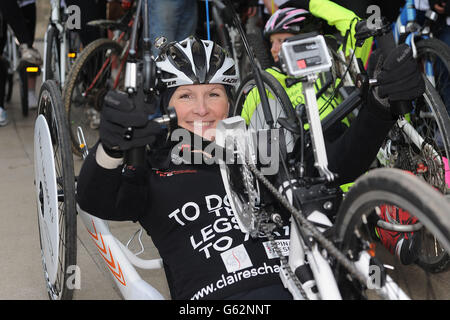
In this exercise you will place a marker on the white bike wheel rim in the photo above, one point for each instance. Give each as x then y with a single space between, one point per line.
45 177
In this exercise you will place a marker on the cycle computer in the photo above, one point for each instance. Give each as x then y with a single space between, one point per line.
305 54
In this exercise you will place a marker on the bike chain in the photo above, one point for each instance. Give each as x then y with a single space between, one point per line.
316 234
248 183
283 261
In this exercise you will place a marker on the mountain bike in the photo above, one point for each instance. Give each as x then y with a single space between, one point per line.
62 45
428 155
98 68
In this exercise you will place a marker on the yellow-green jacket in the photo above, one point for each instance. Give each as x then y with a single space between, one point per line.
339 17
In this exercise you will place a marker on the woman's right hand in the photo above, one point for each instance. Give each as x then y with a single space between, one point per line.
124 123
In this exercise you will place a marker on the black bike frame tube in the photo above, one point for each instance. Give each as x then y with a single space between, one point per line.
348 105
132 52
136 157
146 31
258 79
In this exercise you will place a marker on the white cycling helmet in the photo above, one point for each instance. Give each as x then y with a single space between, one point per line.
195 61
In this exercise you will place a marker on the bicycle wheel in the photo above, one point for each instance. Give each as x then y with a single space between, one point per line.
433 56
97 70
280 105
23 85
52 56
55 193
9 84
360 221
423 151
260 49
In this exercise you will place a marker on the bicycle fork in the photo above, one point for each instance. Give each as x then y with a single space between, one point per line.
385 155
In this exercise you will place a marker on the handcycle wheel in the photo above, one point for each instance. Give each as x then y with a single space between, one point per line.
95 71
55 193
241 184
280 105
356 231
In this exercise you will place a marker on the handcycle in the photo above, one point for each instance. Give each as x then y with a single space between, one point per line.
419 142
53 190
62 45
352 225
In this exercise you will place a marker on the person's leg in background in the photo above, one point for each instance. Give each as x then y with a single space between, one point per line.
15 18
173 19
29 13
187 19
3 72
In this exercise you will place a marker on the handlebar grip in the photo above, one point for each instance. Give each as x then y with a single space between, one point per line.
135 157
386 43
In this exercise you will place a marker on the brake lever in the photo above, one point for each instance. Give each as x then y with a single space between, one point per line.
135 157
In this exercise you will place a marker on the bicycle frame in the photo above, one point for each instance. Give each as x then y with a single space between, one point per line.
120 261
123 58
56 22
217 7
303 245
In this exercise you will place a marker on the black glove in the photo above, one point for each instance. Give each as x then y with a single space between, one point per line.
442 3
301 4
398 76
121 116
